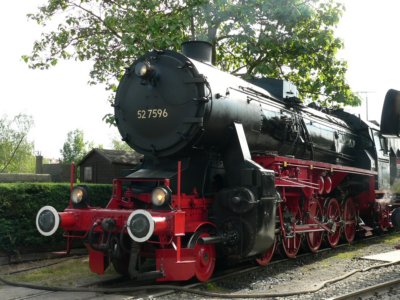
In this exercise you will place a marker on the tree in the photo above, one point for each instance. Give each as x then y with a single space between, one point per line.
289 39
75 147
120 145
16 152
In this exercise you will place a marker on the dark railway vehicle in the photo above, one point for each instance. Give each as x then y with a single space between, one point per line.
232 169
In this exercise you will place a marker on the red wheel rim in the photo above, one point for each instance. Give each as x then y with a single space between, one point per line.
267 256
291 245
314 239
328 184
349 218
382 217
321 185
333 220
205 259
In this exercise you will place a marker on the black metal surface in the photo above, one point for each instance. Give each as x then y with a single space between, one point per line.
171 106
198 50
395 218
191 105
162 115
390 120
279 88
244 211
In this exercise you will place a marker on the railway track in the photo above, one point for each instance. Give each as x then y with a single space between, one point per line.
126 287
374 291
242 270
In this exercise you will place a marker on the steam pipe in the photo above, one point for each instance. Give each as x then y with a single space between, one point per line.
211 240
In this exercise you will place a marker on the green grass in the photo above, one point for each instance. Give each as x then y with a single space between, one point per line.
213 287
356 250
67 273
392 239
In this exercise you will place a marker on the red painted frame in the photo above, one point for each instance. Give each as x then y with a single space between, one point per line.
188 213
295 179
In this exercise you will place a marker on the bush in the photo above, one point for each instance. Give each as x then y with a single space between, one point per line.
19 203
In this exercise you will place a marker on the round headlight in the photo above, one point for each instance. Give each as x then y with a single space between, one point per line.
159 196
79 195
142 69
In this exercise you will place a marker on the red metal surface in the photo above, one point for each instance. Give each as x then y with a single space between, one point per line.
382 210
96 262
179 223
178 249
267 256
304 187
267 161
321 185
178 192
161 223
349 219
291 239
314 216
67 219
83 219
333 218
306 209
172 269
328 184
205 256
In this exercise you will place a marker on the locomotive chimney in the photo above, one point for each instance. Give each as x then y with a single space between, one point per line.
198 50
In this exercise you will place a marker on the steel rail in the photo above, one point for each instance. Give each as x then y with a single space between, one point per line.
237 271
367 290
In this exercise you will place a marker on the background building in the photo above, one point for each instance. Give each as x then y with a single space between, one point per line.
102 166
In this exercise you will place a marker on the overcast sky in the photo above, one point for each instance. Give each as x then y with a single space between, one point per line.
60 100
370 29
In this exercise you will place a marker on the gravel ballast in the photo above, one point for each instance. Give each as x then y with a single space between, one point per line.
310 271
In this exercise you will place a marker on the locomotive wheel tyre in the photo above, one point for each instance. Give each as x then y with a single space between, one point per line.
328 184
205 256
267 256
333 216
119 258
292 245
395 218
380 227
349 218
314 239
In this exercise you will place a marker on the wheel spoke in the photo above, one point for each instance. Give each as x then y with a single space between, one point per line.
291 244
349 218
314 239
333 218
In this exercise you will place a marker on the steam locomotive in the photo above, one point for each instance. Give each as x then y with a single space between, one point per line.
232 170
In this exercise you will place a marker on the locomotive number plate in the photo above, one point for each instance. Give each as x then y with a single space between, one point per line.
156 113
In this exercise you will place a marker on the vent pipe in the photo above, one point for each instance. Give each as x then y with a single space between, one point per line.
198 50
